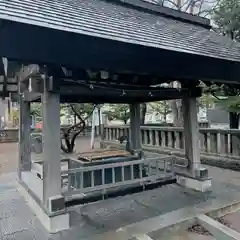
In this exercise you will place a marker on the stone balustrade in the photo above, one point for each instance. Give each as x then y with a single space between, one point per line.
212 141
11 134
8 135
215 141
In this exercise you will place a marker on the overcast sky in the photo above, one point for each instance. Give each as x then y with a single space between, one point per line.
206 4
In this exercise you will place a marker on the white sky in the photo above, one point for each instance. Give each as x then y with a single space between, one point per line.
207 4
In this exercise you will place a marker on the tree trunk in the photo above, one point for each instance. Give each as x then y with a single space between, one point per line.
70 134
165 116
177 112
75 119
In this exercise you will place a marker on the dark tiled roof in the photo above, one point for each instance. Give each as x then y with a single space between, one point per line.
121 23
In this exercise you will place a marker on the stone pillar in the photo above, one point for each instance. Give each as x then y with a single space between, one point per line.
52 200
191 133
52 197
24 137
135 131
194 176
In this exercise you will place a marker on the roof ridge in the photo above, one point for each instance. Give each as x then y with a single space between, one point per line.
145 6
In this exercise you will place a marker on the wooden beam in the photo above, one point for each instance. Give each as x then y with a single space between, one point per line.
82 94
31 96
113 99
98 91
28 71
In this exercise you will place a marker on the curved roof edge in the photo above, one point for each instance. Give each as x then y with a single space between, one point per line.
165 11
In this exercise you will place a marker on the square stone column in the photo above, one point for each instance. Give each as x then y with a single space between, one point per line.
52 196
49 205
135 131
51 208
24 137
191 133
194 176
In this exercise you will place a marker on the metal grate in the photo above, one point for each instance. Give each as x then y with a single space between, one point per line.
114 175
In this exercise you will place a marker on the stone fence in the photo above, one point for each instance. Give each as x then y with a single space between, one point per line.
8 135
221 142
11 134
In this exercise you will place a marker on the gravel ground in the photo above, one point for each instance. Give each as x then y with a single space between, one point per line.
8 157
17 221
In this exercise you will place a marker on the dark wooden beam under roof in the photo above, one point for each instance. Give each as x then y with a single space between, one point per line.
113 96
69 85
101 93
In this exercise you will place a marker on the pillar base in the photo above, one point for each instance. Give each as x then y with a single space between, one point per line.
52 223
201 185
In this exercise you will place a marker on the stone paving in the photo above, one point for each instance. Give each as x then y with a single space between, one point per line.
190 236
233 220
8 157
18 222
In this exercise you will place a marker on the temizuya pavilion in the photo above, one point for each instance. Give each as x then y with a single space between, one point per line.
101 51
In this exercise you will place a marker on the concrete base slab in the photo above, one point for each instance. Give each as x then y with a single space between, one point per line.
34 183
96 219
198 185
54 223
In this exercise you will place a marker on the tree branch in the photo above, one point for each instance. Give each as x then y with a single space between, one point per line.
76 129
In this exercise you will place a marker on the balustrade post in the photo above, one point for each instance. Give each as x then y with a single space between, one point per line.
170 140
118 135
229 143
156 138
219 143
224 140
151 137
125 132
163 139
112 133
145 136
177 139
208 142
213 142
182 140
235 144
108 133
202 142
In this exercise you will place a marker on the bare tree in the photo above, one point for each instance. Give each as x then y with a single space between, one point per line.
195 7
82 113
